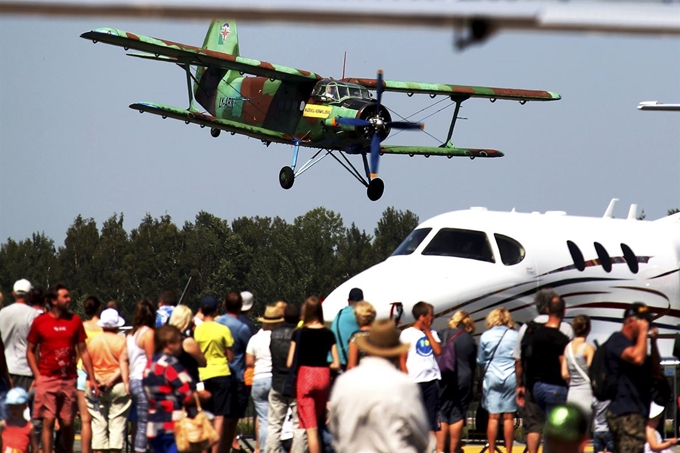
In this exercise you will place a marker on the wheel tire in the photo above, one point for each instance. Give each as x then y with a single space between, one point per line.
375 189
215 132
286 177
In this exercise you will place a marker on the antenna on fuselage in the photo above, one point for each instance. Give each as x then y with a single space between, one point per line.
608 214
632 212
344 64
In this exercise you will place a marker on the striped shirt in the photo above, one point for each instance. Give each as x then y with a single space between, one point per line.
168 387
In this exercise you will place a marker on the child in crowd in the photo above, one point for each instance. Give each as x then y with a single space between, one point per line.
602 438
18 435
168 387
654 440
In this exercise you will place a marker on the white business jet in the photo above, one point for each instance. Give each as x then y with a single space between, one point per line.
477 260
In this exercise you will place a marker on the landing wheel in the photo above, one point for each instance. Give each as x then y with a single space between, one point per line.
287 177
375 189
215 132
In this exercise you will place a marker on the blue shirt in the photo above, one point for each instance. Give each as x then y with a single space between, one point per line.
241 333
344 325
163 315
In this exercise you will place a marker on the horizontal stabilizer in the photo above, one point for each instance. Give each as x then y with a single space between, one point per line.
213 122
449 151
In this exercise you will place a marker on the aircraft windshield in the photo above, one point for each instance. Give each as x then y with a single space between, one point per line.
338 91
412 241
460 244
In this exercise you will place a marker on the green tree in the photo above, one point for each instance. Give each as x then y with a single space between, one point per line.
392 229
113 281
76 258
673 211
355 253
34 259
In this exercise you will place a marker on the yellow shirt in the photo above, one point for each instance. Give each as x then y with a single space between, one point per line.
214 338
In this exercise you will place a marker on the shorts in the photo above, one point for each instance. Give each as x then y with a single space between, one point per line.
532 416
451 411
22 381
429 392
628 432
602 439
220 399
82 381
240 396
55 398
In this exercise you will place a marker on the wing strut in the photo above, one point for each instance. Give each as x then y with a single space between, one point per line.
458 100
187 69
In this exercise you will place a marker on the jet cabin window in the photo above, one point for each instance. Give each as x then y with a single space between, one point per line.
412 241
460 244
512 251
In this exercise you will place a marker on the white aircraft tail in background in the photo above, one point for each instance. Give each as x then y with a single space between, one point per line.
477 260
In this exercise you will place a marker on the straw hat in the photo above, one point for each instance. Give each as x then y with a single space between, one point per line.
383 340
271 315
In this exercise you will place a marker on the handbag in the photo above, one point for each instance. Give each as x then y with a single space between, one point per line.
291 378
480 382
193 435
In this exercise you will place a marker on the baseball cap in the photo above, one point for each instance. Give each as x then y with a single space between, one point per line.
247 298
17 395
209 302
22 286
356 295
639 310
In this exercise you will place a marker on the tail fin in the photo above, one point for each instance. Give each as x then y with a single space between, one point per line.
222 37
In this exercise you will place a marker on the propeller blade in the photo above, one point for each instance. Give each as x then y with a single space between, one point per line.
375 154
358 122
405 125
379 88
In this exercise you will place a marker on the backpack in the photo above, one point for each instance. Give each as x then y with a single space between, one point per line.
602 381
526 346
447 359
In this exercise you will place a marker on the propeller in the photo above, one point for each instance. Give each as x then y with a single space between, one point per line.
377 124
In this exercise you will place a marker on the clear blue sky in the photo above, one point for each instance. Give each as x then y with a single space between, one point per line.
70 145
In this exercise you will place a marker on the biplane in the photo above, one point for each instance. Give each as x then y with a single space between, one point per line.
280 104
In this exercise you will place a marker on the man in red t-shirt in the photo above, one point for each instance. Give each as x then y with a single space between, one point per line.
61 337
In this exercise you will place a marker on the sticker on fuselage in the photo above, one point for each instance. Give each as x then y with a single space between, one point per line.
224 33
317 111
226 102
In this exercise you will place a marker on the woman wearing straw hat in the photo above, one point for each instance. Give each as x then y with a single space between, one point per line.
375 407
259 359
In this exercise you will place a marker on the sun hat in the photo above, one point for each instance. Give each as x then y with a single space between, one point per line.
17 395
383 340
110 318
247 298
655 410
272 315
22 286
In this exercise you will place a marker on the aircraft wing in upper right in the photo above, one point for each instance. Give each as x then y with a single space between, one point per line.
458 91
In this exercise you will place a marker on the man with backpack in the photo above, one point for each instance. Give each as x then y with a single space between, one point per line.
533 418
627 362
344 325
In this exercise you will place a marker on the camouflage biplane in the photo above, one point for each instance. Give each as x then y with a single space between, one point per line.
285 105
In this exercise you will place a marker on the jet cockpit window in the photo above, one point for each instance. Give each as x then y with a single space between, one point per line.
577 256
512 251
461 244
412 241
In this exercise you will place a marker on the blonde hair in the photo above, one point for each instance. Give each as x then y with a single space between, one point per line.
181 317
365 313
464 318
500 317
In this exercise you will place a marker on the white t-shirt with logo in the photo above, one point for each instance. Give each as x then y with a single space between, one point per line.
421 364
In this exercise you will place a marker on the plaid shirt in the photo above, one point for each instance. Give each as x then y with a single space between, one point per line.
168 387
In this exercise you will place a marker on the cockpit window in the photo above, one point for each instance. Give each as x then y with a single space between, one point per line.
412 241
512 251
461 244
331 91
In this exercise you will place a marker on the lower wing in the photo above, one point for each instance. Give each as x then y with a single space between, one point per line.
208 120
449 151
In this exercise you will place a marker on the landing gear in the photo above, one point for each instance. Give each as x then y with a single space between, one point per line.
287 178
215 132
375 189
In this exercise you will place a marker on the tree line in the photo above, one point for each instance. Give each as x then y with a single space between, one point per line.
268 256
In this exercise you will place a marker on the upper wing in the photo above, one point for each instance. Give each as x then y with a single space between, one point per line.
211 121
459 90
196 56
449 151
